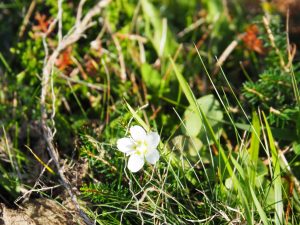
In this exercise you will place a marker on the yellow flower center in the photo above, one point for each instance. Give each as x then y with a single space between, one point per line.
141 148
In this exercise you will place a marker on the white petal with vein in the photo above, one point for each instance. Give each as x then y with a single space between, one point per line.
125 145
152 157
135 163
153 139
137 133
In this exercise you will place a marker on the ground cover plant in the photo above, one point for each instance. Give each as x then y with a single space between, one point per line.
149 112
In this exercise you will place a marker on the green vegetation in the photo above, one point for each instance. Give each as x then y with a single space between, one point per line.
219 84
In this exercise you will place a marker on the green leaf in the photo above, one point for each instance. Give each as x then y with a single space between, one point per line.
214 9
196 108
162 39
194 125
296 148
189 145
261 172
150 76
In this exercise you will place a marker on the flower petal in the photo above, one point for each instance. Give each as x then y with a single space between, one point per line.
153 139
135 163
152 157
137 133
125 145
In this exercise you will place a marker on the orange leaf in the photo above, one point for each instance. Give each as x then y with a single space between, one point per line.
43 22
251 40
64 59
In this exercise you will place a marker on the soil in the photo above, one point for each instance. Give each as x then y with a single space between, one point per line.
39 212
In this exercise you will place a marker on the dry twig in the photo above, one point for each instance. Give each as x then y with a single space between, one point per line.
273 44
26 18
82 24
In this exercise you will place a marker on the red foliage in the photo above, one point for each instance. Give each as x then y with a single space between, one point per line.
64 59
43 22
251 40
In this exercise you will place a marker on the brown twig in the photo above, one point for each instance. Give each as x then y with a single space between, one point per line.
291 48
191 27
98 87
26 18
82 24
273 44
224 56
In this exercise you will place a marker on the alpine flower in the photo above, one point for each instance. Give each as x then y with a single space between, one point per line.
140 146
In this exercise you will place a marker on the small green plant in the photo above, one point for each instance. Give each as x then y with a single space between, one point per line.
274 90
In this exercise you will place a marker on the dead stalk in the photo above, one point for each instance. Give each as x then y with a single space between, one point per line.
82 24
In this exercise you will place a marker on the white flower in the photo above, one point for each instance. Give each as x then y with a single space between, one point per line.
140 147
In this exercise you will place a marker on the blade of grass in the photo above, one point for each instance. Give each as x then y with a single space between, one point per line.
243 191
6 65
254 148
234 95
195 107
77 100
39 160
247 189
137 117
295 87
9 153
259 208
279 215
